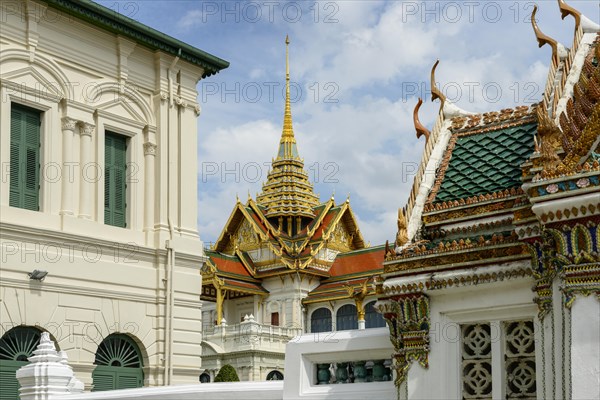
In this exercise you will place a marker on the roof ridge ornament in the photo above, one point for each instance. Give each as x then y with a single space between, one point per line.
421 130
543 39
566 9
402 235
435 92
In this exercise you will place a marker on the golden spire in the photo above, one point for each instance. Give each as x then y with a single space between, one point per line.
287 145
288 192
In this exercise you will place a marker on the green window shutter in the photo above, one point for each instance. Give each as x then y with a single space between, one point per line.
9 385
103 379
24 158
118 364
115 163
129 380
16 346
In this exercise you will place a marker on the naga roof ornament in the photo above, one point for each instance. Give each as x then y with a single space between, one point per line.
435 92
421 130
543 39
566 9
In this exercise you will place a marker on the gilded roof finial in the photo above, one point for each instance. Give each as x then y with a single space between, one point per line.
543 39
566 9
421 130
435 92
287 148
288 191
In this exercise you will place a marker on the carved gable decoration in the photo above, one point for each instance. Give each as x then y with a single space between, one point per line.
245 237
340 239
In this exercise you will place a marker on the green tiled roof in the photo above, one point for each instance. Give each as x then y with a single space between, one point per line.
487 162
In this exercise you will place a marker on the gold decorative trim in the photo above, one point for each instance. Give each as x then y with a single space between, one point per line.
469 280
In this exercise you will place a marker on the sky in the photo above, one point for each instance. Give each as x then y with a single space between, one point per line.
357 69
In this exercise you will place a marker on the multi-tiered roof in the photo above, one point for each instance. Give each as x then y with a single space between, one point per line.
287 230
288 192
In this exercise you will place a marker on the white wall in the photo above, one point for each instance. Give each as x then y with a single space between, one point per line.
102 279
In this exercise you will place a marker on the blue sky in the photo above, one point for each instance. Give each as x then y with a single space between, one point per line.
357 69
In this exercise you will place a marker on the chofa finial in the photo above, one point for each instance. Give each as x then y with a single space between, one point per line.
421 130
566 9
435 92
543 39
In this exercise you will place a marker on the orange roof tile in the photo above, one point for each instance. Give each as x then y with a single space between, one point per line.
228 264
331 214
244 286
359 261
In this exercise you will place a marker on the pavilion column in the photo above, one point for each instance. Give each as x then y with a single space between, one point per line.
220 298
67 177
360 310
87 182
149 174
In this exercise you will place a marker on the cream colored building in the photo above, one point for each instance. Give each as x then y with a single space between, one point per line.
98 149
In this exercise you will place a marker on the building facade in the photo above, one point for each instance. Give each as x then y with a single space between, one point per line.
505 201
285 264
98 198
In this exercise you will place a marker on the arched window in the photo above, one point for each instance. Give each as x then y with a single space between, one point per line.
119 364
346 318
204 378
275 376
16 346
373 319
320 320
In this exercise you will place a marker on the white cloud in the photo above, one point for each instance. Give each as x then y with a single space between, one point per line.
371 53
192 18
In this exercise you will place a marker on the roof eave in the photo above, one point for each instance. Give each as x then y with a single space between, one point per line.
112 21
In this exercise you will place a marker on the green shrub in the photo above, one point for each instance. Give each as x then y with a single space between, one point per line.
227 374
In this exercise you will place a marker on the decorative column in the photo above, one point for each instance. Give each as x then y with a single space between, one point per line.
359 298
149 159
408 320
220 298
87 180
360 309
67 175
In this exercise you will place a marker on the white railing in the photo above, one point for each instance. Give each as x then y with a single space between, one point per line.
307 353
250 335
252 328
49 377
271 390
